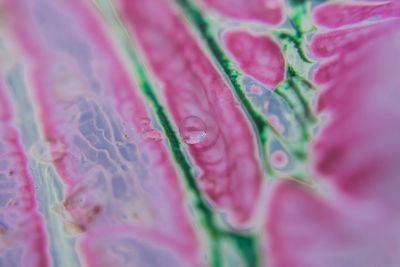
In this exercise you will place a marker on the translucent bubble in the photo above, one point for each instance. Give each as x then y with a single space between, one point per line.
192 130
48 151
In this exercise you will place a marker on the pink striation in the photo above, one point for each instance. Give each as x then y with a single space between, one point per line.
22 229
356 222
267 11
116 169
193 87
258 56
334 15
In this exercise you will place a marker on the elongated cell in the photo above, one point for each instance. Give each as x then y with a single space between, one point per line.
193 87
267 11
22 229
352 219
115 167
340 41
334 15
257 55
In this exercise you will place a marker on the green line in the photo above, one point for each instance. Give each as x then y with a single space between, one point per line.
204 213
306 108
196 17
296 114
262 126
294 39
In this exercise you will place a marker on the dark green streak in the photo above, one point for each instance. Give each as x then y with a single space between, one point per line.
306 108
292 106
261 125
206 216
302 2
306 116
296 43
204 213
247 246
196 17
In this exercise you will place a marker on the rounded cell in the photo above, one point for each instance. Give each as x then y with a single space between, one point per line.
193 130
279 159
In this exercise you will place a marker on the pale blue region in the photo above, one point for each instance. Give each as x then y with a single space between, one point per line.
12 258
143 174
63 33
2 150
116 132
5 197
96 138
101 182
275 105
94 127
85 116
118 186
128 151
233 263
3 224
3 177
99 157
102 159
3 164
96 148
49 192
58 29
7 185
89 152
101 122
92 115
135 253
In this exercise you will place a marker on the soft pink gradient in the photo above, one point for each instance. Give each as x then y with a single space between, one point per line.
267 11
355 221
257 55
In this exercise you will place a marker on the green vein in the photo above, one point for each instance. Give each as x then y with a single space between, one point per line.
262 126
246 243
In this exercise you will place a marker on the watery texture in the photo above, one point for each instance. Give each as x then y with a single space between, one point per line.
199 133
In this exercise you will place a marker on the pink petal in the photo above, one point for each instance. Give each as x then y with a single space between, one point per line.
258 56
334 15
357 153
